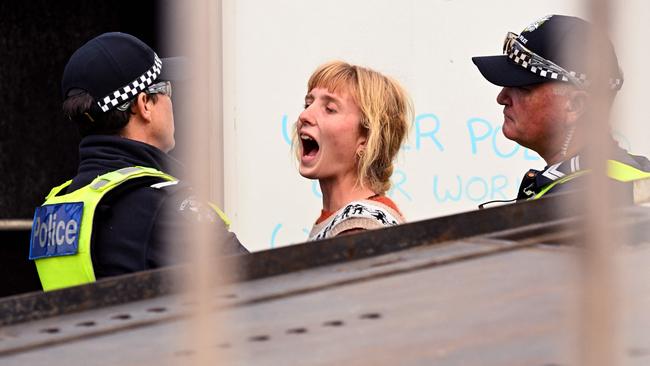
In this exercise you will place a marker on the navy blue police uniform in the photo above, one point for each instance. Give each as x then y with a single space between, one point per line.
569 175
125 210
138 226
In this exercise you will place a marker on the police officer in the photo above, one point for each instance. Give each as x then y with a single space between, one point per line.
125 210
546 94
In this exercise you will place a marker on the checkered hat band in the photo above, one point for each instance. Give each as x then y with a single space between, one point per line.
523 59
126 93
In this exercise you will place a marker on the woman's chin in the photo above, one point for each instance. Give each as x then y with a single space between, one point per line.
309 176
307 172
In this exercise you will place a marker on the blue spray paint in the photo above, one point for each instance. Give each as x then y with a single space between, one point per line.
274 234
285 129
420 134
399 180
315 189
448 195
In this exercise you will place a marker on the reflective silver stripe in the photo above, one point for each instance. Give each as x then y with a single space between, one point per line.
129 170
164 184
99 183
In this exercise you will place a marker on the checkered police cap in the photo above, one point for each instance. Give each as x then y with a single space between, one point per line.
532 62
113 68
126 93
554 47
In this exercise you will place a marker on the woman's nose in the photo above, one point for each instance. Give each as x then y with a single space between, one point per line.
306 116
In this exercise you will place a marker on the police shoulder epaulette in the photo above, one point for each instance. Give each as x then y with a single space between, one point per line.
172 187
161 185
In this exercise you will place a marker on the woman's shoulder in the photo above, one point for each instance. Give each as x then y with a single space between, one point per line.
386 202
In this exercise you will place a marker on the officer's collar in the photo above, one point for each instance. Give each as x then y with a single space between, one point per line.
534 180
559 170
101 153
571 165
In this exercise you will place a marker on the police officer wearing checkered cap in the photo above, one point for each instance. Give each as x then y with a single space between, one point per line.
546 94
126 209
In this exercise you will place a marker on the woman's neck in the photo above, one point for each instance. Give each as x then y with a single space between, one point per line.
339 192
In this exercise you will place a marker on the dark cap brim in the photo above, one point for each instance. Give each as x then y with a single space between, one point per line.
175 69
499 70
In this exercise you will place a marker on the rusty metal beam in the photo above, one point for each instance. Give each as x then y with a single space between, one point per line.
150 284
410 295
492 299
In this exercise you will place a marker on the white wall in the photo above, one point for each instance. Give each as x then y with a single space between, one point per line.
455 157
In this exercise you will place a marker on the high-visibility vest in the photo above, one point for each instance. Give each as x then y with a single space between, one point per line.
57 270
615 170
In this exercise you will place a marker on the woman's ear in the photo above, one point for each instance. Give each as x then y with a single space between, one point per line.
361 142
363 134
361 146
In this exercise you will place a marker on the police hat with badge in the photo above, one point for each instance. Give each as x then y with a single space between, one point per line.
114 68
553 48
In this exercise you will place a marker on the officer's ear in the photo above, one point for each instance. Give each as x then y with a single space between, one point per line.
576 105
142 106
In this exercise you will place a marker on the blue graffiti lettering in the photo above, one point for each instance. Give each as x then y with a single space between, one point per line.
497 188
470 191
530 155
472 124
315 188
419 133
448 195
473 188
399 180
285 129
481 129
276 231
274 234
497 132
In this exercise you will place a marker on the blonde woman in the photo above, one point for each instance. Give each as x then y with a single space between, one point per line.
354 122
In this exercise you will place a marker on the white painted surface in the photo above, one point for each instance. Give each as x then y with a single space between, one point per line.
272 47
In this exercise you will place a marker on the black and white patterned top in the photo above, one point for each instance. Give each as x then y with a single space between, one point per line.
363 215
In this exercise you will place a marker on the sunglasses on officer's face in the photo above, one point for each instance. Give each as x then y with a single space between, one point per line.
163 87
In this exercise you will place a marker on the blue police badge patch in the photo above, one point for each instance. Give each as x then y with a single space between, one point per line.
55 230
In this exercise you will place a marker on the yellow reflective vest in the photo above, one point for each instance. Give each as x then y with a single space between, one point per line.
60 245
615 170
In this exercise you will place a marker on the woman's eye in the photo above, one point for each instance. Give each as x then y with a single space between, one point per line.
330 110
306 105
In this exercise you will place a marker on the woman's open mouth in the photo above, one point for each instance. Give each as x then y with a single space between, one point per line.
310 147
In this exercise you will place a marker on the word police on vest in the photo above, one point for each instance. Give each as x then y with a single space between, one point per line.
55 230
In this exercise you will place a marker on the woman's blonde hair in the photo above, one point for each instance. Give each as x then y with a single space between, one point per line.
386 111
